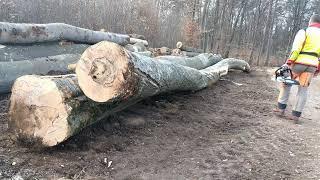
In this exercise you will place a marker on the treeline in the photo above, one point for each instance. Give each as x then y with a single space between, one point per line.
258 30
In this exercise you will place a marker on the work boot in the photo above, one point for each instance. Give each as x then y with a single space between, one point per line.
295 119
279 112
295 116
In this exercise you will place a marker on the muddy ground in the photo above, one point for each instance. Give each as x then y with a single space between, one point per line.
224 132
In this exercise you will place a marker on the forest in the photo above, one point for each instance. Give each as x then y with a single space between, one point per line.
257 30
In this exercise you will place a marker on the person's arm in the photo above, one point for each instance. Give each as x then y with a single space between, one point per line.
297 46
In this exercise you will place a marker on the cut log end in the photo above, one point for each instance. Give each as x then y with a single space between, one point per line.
34 117
179 45
103 71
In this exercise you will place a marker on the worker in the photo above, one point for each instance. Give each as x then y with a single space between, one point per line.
304 63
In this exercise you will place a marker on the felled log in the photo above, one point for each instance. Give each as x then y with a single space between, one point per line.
134 41
163 51
199 62
145 53
183 47
48 110
12 33
38 50
10 71
107 72
137 47
176 52
189 54
137 36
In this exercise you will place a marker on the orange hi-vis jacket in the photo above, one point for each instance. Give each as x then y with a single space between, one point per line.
306 46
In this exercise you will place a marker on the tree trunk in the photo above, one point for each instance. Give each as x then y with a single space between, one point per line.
137 47
107 72
11 33
23 52
137 36
134 41
10 71
189 54
241 11
46 111
199 62
163 51
182 47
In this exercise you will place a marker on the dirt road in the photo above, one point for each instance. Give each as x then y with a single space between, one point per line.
224 132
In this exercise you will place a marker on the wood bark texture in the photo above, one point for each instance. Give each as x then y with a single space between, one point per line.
38 50
47 110
107 72
199 62
12 33
10 71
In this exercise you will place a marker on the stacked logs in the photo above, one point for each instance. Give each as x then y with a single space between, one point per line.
109 77
47 110
48 48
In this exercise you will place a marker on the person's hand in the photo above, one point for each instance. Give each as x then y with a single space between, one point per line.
286 66
289 63
317 71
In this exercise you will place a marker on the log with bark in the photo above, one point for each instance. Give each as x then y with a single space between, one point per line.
137 47
137 36
163 51
33 51
189 54
199 62
183 47
12 33
46 111
176 52
134 41
10 71
106 72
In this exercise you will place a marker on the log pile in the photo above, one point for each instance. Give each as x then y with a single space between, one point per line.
46 110
109 76
10 71
46 48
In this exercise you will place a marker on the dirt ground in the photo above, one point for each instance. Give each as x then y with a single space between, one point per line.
224 132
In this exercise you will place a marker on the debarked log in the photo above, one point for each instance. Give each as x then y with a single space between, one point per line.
108 72
47 110
14 33
10 71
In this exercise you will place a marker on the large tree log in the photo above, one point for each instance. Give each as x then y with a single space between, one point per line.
33 51
107 72
202 61
189 54
183 47
137 36
137 47
199 62
48 110
10 71
13 33
163 51
134 41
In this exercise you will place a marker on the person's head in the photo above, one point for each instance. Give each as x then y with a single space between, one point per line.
314 19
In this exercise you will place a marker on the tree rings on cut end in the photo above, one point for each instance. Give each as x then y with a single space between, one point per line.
104 71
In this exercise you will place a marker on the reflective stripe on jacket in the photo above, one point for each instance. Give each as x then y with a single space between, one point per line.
306 42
